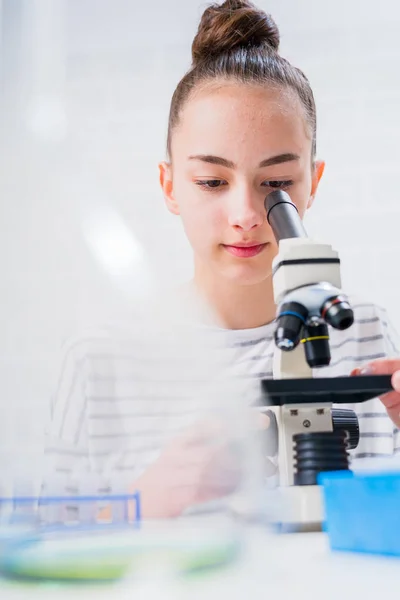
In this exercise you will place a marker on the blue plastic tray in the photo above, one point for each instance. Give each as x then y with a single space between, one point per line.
362 511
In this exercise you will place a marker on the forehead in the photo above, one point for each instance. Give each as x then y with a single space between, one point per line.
237 120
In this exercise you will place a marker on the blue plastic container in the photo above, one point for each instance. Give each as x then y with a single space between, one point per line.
362 511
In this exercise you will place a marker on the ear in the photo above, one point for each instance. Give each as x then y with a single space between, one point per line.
165 170
319 167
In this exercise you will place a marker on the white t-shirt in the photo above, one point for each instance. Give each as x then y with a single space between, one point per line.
123 393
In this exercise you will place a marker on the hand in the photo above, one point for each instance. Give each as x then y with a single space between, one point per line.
194 468
386 366
199 466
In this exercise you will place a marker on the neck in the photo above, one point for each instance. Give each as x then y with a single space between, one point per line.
237 306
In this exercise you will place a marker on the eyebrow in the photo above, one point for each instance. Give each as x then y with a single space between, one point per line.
223 162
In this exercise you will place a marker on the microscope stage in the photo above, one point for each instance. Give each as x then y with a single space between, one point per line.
334 390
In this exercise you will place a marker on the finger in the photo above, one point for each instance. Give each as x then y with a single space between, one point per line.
381 366
394 414
396 381
391 400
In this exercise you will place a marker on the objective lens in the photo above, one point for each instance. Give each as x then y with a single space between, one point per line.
337 312
290 321
316 344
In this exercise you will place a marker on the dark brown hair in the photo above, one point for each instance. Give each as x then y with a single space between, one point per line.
236 41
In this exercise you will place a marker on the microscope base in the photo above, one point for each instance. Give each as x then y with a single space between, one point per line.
298 508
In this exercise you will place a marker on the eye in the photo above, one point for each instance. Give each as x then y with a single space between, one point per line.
211 184
278 184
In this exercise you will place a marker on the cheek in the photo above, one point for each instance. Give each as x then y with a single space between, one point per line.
201 213
203 223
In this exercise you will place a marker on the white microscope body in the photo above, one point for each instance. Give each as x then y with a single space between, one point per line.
312 435
307 292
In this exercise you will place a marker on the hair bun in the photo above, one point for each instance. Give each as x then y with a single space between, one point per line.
233 24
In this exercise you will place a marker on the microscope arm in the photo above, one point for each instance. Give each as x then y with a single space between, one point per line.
287 365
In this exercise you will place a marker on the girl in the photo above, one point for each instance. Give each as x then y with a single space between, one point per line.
242 123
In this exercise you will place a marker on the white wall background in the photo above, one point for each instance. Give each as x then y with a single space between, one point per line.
86 86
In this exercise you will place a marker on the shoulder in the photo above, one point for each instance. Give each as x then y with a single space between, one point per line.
110 336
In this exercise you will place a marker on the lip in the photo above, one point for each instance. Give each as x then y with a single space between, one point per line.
244 249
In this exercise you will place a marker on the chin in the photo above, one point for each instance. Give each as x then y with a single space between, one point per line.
245 275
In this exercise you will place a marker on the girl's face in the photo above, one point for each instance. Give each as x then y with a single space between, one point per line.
235 144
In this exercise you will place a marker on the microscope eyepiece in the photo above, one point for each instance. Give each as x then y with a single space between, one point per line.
338 313
283 216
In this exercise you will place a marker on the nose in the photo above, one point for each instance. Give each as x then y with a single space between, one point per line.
246 210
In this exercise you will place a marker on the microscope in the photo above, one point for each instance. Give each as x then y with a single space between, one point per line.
312 436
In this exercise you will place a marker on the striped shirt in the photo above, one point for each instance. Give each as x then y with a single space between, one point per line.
124 392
